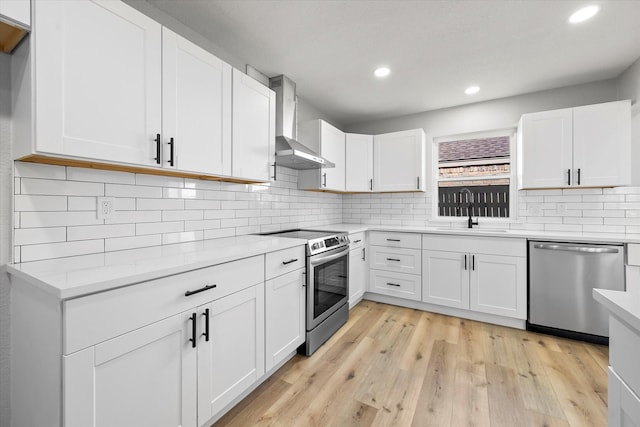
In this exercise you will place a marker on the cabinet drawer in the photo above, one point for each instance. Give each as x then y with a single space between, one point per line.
284 261
624 348
400 285
357 240
396 259
624 404
96 318
395 240
472 244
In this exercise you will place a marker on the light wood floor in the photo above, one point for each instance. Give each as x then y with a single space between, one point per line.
393 366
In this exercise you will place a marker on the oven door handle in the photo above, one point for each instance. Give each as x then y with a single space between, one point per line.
324 259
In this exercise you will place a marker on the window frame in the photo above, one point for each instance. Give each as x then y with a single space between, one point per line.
512 133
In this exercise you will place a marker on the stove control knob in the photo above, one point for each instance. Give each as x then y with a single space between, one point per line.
315 246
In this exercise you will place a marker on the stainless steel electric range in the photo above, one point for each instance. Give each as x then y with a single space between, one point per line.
327 261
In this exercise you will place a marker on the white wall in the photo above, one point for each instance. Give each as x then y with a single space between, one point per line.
6 189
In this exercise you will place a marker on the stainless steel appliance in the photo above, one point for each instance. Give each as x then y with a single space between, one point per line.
561 281
327 284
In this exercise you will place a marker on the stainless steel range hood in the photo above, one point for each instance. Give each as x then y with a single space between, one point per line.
289 152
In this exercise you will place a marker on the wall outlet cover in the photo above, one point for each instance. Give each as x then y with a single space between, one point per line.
106 207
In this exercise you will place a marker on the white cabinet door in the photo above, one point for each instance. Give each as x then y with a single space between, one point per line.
98 81
285 310
602 144
196 108
357 275
398 161
233 357
253 136
332 142
145 378
16 10
498 285
624 405
545 154
445 278
358 162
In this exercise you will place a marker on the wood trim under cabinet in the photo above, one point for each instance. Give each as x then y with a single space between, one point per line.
87 164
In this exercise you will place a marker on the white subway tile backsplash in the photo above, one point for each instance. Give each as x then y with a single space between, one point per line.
160 204
97 175
40 203
187 236
63 188
57 219
159 227
118 190
123 217
159 181
202 204
222 232
37 170
60 250
89 232
207 224
182 193
219 214
182 215
121 243
80 203
34 236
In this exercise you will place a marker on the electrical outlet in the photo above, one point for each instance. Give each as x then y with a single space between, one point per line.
106 207
562 208
535 209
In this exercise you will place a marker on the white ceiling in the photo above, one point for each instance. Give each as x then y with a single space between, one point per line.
435 48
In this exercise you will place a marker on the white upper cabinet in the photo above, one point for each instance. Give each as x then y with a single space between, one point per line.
576 147
602 144
398 161
196 107
359 162
18 11
254 109
97 82
329 142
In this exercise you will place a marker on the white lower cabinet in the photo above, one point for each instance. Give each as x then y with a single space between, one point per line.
358 273
624 404
146 377
285 316
230 349
486 275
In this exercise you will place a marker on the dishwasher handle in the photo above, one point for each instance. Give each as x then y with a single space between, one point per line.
579 249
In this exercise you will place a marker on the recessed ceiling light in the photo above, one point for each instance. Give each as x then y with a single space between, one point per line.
472 90
584 14
382 72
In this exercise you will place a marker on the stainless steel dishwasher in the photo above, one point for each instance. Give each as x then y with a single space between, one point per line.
561 279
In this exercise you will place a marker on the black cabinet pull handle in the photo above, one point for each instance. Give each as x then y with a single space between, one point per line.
205 288
393 240
465 261
418 180
473 262
171 145
157 158
357 241
324 179
206 324
290 261
393 284
193 318
578 176
275 171
393 259
568 176
364 254
371 184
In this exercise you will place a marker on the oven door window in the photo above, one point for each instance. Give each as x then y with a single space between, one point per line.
330 285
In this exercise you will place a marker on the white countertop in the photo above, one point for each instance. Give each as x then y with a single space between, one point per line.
624 305
81 275
488 232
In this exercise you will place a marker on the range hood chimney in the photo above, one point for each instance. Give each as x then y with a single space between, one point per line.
289 152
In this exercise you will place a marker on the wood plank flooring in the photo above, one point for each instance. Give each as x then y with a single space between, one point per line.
393 366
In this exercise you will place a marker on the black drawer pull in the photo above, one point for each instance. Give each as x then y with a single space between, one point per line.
357 241
393 284
157 158
171 145
193 330
393 240
290 261
393 259
205 288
